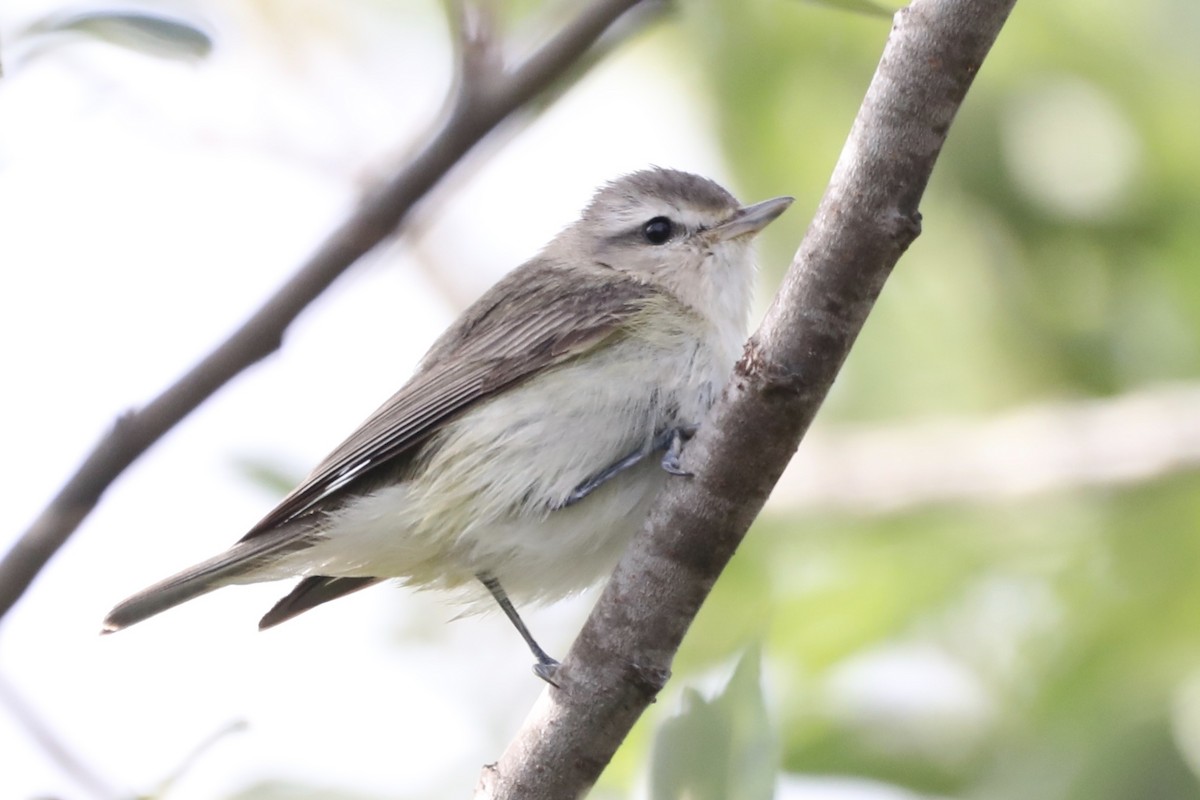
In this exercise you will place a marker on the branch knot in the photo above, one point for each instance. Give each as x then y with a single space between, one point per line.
759 373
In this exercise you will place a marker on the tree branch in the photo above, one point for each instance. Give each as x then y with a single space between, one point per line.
377 216
866 220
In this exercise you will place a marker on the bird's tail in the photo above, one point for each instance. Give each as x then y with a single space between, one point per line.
235 565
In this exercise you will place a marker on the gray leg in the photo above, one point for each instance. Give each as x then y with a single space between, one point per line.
600 478
670 440
545 666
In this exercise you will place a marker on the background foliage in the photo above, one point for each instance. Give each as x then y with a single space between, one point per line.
1041 648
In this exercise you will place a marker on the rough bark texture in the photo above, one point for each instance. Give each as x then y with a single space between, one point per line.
866 220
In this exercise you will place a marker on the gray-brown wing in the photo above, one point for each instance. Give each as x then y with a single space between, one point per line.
535 318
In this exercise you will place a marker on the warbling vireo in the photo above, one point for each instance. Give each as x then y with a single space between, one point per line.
521 456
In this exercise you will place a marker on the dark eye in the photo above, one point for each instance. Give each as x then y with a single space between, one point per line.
658 230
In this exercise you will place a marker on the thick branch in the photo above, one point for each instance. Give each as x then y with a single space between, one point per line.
376 217
867 218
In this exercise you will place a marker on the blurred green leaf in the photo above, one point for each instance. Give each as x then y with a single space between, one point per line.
288 790
276 478
141 31
723 749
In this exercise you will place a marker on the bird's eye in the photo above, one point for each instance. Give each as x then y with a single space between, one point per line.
658 230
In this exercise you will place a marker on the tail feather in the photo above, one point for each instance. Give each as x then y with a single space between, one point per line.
221 570
312 592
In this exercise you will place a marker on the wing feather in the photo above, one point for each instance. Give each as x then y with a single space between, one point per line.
537 317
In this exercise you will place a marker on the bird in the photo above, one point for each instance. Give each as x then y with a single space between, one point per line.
526 448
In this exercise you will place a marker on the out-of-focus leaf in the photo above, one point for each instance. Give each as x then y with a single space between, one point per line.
723 749
857 6
151 34
290 790
262 472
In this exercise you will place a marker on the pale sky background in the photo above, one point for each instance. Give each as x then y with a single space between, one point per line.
146 207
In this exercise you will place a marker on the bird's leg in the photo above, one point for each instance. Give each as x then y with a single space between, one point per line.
603 476
670 440
545 666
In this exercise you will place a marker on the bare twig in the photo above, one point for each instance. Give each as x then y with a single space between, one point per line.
377 216
866 220
199 751
1047 447
418 223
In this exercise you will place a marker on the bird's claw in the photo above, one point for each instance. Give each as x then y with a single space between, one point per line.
546 670
675 439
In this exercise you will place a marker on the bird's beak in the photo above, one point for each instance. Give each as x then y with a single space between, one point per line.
749 220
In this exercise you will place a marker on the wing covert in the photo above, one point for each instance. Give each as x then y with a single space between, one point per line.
524 324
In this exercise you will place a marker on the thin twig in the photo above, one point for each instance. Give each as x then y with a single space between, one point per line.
376 218
866 220
417 224
41 733
199 751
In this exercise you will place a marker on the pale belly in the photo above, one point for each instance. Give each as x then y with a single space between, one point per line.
490 495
